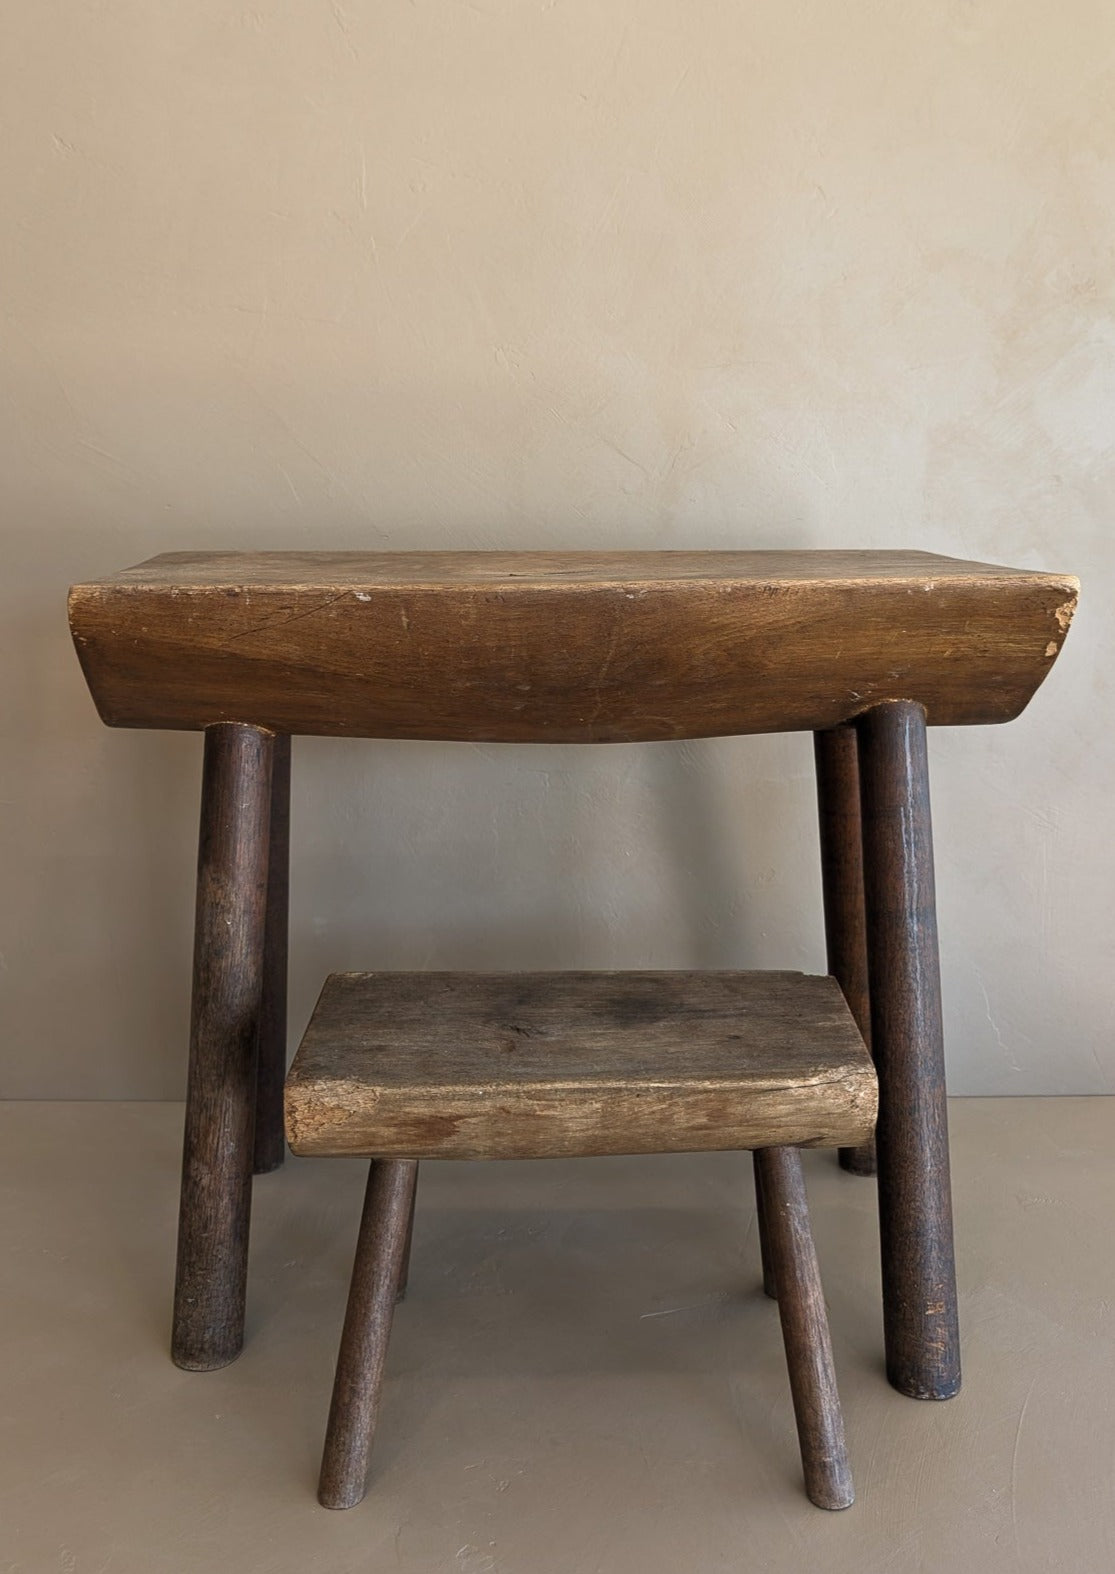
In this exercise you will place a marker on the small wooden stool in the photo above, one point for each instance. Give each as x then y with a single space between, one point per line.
408 1066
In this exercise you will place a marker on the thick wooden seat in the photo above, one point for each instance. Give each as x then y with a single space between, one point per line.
511 1065
587 647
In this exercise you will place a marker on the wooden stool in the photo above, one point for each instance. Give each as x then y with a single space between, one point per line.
864 649
408 1066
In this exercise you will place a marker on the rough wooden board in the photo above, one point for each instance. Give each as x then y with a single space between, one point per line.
563 647
523 1065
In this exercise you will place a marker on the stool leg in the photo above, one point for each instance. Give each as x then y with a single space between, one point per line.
363 1353
915 1200
404 1270
805 1330
838 813
764 1231
270 1147
215 1206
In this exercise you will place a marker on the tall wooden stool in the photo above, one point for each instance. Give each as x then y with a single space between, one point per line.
864 649
408 1066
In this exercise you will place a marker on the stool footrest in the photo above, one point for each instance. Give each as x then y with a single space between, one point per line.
532 1065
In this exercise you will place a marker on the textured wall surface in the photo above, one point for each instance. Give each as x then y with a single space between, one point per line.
512 274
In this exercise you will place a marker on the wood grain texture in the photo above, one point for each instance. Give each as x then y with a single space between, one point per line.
216 1197
805 1329
915 1200
838 815
469 1065
652 645
376 1272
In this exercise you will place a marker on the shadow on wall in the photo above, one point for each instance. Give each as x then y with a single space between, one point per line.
410 855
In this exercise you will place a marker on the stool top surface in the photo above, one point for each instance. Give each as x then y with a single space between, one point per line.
522 1065
563 646
199 571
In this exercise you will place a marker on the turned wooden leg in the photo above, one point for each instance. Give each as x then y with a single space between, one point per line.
270 1146
838 812
805 1330
764 1231
404 1270
363 1353
915 1200
216 1197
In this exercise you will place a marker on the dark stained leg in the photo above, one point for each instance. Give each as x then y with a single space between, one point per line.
805 1330
211 1280
404 1271
363 1353
838 812
915 1199
270 1148
764 1232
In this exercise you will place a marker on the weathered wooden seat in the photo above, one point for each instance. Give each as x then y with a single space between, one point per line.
513 1065
408 1066
461 645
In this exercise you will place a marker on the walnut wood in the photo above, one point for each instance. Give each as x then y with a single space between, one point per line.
220 1098
270 1145
769 1287
506 1065
915 1207
805 1331
653 644
838 813
363 1354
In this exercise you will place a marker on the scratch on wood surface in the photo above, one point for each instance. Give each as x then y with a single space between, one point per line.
294 617
602 675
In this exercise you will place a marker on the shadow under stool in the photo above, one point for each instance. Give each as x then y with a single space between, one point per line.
401 1067
863 649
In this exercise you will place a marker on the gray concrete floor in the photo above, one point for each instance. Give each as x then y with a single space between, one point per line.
584 1379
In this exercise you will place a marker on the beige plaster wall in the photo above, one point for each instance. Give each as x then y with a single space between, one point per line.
551 274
